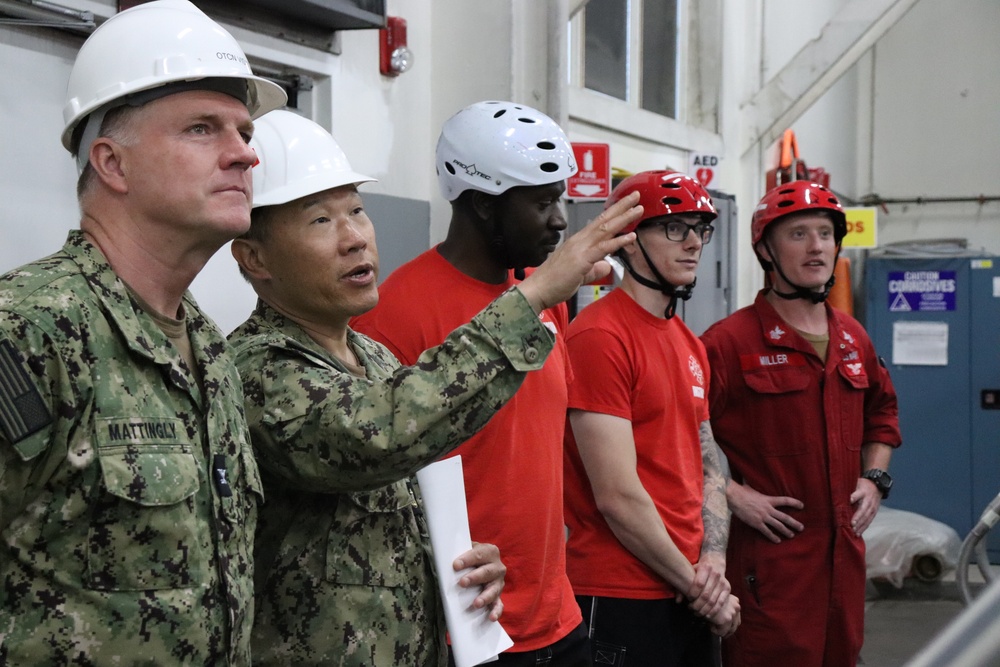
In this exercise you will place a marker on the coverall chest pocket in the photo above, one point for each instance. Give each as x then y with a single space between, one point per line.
777 429
854 380
144 534
375 539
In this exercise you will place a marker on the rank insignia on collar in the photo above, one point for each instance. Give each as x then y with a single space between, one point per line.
776 333
848 337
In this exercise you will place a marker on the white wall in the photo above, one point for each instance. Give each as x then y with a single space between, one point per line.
917 116
380 122
937 121
37 177
383 124
471 60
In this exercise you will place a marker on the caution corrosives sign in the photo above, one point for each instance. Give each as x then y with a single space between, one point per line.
861 227
928 291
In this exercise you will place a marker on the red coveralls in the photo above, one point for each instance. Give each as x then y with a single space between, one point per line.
793 426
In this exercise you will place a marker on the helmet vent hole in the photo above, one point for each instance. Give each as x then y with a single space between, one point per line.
549 167
499 113
530 121
451 169
785 204
672 185
546 145
672 201
786 191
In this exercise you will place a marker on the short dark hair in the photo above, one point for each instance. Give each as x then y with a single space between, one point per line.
116 125
261 219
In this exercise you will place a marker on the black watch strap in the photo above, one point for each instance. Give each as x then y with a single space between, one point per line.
881 479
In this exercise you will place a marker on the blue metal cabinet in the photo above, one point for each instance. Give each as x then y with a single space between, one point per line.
949 465
984 347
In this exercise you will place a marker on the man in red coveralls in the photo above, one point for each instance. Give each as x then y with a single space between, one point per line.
503 167
807 415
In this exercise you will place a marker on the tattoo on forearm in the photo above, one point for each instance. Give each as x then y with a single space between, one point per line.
715 510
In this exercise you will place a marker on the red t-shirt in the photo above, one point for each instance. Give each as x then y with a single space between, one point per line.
653 372
513 467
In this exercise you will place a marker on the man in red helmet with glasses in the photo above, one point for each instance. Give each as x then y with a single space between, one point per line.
806 414
645 485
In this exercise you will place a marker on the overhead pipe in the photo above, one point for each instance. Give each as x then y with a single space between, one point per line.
876 200
48 15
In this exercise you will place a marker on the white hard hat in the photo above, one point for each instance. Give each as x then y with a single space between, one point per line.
495 146
297 158
152 45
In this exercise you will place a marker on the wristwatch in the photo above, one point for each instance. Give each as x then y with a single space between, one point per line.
881 479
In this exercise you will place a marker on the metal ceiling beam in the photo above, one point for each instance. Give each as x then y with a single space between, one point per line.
817 66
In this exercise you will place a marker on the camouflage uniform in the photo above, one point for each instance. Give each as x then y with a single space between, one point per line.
128 493
344 572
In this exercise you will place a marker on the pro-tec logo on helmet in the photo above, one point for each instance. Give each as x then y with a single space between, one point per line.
471 170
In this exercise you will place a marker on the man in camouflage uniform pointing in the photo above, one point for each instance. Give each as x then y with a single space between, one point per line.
339 427
128 490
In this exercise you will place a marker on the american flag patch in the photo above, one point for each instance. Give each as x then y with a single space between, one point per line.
22 410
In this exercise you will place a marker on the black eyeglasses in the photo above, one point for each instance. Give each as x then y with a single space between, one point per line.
678 231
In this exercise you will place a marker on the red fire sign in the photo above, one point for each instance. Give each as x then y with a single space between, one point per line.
593 180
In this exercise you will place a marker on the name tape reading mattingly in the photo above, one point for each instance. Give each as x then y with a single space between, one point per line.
922 290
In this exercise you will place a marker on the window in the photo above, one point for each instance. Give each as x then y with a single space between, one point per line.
630 52
659 57
605 49
648 69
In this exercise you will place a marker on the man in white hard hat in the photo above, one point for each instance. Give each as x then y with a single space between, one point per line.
128 489
503 167
344 575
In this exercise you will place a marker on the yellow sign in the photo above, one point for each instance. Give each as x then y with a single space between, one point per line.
861 225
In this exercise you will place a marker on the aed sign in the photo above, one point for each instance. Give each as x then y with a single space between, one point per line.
927 291
861 225
593 180
704 167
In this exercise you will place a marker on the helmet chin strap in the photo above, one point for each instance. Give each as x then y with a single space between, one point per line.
675 292
799 291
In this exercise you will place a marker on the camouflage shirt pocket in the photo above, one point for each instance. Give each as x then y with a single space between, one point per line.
375 539
144 532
